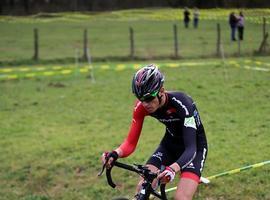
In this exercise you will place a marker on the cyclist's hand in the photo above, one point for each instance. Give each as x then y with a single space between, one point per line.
167 175
109 158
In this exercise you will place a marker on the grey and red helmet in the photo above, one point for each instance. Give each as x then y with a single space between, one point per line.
147 82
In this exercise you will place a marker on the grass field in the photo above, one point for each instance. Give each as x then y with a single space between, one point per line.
61 35
53 130
55 121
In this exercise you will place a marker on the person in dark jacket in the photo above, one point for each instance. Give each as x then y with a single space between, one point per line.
186 17
233 25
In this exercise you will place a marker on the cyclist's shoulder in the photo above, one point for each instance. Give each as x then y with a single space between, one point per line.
180 100
179 95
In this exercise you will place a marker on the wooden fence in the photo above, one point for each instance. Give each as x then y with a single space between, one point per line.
176 47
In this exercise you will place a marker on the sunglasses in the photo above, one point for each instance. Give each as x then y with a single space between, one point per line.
149 96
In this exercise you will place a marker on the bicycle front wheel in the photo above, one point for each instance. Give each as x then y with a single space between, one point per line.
120 198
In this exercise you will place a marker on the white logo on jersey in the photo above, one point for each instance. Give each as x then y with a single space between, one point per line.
169 120
158 155
191 166
190 122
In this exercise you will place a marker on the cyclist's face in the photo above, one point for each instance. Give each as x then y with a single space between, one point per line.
151 106
154 104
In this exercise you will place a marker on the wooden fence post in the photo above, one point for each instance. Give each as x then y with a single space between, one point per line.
263 45
36 56
85 45
175 41
239 46
264 27
218 40
264 34
131 38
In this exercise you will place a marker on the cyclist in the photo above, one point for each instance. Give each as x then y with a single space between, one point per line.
183 148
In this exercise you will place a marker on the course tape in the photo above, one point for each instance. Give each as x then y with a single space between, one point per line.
32 72
247 63
44 73
230 172
234 171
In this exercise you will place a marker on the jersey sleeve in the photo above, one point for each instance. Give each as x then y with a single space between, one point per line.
185 108
130 143
189 137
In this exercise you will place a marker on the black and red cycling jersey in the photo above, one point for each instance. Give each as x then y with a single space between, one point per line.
184 130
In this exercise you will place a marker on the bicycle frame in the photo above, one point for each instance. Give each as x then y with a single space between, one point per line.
146 174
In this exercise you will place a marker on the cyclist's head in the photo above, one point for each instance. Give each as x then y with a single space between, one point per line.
147 82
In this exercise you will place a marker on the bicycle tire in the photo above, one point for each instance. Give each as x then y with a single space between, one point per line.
120 198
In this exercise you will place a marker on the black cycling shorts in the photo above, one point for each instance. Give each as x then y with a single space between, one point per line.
163 156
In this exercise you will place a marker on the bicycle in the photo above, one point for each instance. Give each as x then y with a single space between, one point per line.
148 176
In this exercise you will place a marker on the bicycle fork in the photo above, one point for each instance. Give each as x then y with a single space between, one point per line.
147 190
144 192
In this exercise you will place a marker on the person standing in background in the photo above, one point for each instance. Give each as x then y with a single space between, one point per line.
196 17
240 26
186 17
233 25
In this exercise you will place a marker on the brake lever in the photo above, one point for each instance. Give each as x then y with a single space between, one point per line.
102 170
103 167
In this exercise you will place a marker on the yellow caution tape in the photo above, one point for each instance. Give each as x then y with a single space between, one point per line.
48 73
118 67
12 76
66 71
105 67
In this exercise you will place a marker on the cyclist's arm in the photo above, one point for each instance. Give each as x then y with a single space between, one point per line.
185 110
130 143
189 137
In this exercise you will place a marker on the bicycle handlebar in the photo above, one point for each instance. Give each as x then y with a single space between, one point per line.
139 169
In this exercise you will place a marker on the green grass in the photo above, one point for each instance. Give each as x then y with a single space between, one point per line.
54 129
61 35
